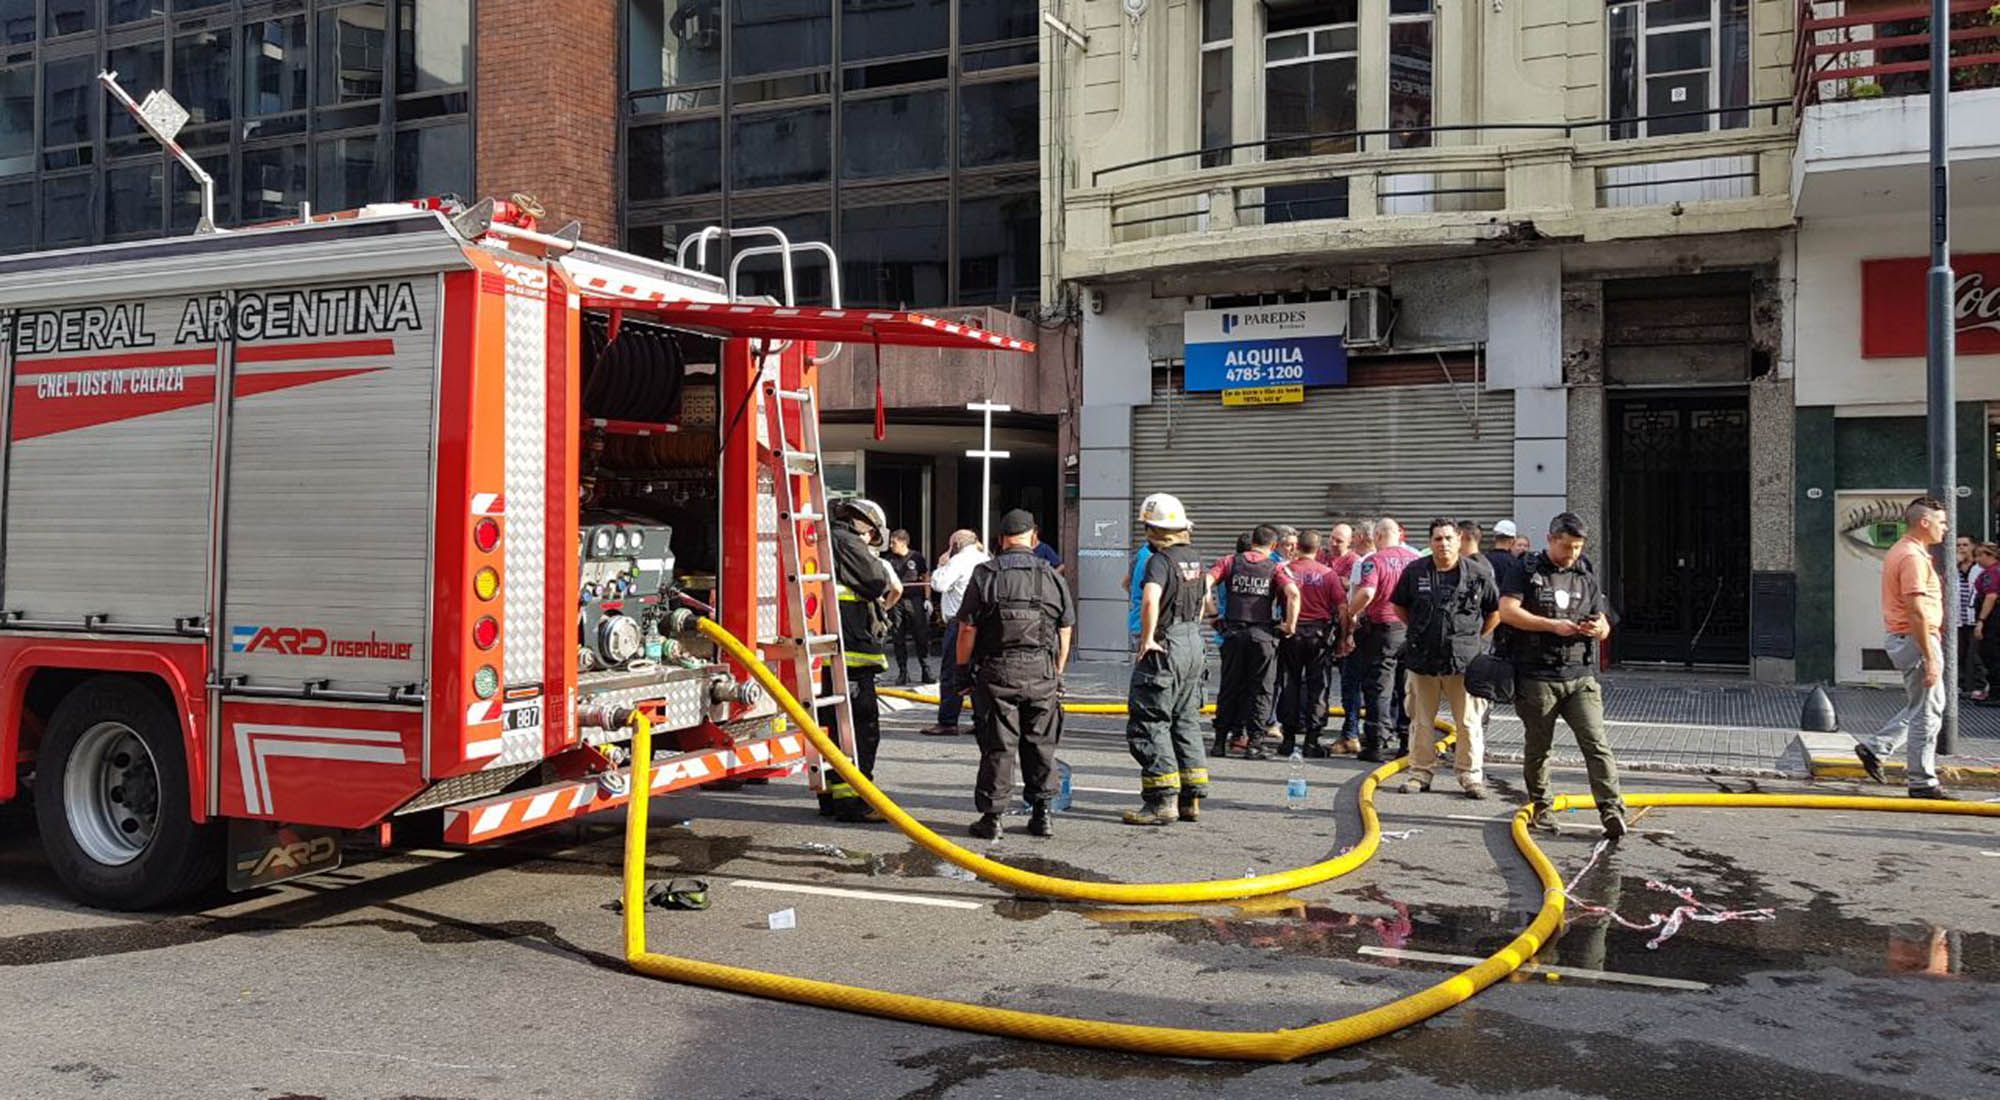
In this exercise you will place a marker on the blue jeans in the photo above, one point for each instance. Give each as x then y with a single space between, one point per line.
950 701
1350 695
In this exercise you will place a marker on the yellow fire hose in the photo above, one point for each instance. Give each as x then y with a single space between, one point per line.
1283 1045
1068 708
1114 893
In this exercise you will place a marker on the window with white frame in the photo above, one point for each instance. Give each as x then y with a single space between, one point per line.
1217 49
1309 77
1676 66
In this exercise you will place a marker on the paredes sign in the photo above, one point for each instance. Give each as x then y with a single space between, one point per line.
1892 306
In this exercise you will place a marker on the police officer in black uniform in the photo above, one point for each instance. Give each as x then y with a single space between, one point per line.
1557 609
1253 582
911 621
1017 618
868 590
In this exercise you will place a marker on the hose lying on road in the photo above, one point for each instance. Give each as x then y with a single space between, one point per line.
1068 708
1283 1045
1115 893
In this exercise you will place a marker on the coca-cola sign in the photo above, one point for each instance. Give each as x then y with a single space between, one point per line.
1893 294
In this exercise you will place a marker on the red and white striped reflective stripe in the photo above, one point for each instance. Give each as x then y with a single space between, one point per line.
508 814
489 504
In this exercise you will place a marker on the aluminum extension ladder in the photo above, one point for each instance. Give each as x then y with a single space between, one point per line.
805 562
808 654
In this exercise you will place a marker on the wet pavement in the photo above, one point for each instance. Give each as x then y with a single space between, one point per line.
496 973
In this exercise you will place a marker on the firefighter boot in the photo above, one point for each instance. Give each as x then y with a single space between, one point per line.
1156 811
1190 808
1039 823
1289 744
925 668
987 827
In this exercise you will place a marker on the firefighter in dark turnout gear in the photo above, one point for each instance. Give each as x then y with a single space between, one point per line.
867 589
1163 729
1254 583
1017 617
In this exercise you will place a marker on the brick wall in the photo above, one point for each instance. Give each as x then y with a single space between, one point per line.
548 109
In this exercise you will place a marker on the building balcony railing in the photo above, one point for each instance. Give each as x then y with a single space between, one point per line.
1872 49
1474 181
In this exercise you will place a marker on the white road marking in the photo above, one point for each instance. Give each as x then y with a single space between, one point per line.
859 895
1104 790
1990 853
1476 817
1535 968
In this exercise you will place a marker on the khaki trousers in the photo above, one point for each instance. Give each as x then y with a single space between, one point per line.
1469 750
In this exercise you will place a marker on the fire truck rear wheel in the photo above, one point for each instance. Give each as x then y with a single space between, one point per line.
111 799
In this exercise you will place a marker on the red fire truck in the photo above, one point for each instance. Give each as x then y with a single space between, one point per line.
314 528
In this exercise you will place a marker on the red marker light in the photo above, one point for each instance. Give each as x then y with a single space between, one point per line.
486 534
485 632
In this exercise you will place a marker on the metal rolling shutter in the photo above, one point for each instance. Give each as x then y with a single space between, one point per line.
1406 451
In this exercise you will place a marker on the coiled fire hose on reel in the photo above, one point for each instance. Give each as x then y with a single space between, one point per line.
1282 1045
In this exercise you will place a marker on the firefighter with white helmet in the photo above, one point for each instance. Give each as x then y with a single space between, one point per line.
1163 730
867 588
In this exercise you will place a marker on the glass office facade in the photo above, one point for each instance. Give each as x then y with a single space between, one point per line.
904 132
289 101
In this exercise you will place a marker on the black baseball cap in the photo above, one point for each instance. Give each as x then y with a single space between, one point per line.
1017 522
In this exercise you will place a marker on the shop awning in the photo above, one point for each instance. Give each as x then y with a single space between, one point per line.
730 321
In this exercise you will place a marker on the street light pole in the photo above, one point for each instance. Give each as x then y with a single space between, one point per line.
1942 389
987 454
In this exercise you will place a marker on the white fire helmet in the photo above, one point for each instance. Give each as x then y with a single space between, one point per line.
1164 511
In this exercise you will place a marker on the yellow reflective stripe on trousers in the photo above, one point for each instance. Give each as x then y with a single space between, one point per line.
1195 775
1170 781
866 660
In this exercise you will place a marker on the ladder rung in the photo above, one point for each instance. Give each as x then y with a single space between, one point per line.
804 462
812 578
815 642
804 517
828 700
795 395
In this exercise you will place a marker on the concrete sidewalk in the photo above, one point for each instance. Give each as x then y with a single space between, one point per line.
1684 722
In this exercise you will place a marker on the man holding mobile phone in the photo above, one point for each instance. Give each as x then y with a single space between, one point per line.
1554 602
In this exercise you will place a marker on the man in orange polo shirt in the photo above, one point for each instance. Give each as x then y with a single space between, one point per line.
1913 617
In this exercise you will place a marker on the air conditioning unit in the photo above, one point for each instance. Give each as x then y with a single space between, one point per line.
1370 312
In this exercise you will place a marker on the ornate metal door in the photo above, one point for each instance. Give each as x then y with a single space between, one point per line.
1680 529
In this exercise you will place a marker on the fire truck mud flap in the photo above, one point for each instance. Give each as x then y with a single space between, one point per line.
265 853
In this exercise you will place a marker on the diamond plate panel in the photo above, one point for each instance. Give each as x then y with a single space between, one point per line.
767 556
526 583
685 702
517 747
465 788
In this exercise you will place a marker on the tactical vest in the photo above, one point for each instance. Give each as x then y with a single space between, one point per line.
1181 598
1014 618
1250 584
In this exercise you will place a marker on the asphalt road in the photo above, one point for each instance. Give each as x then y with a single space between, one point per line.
496 974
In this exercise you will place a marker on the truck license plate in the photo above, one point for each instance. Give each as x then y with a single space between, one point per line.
524 715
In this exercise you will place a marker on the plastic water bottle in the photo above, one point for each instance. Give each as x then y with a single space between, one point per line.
1295 787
